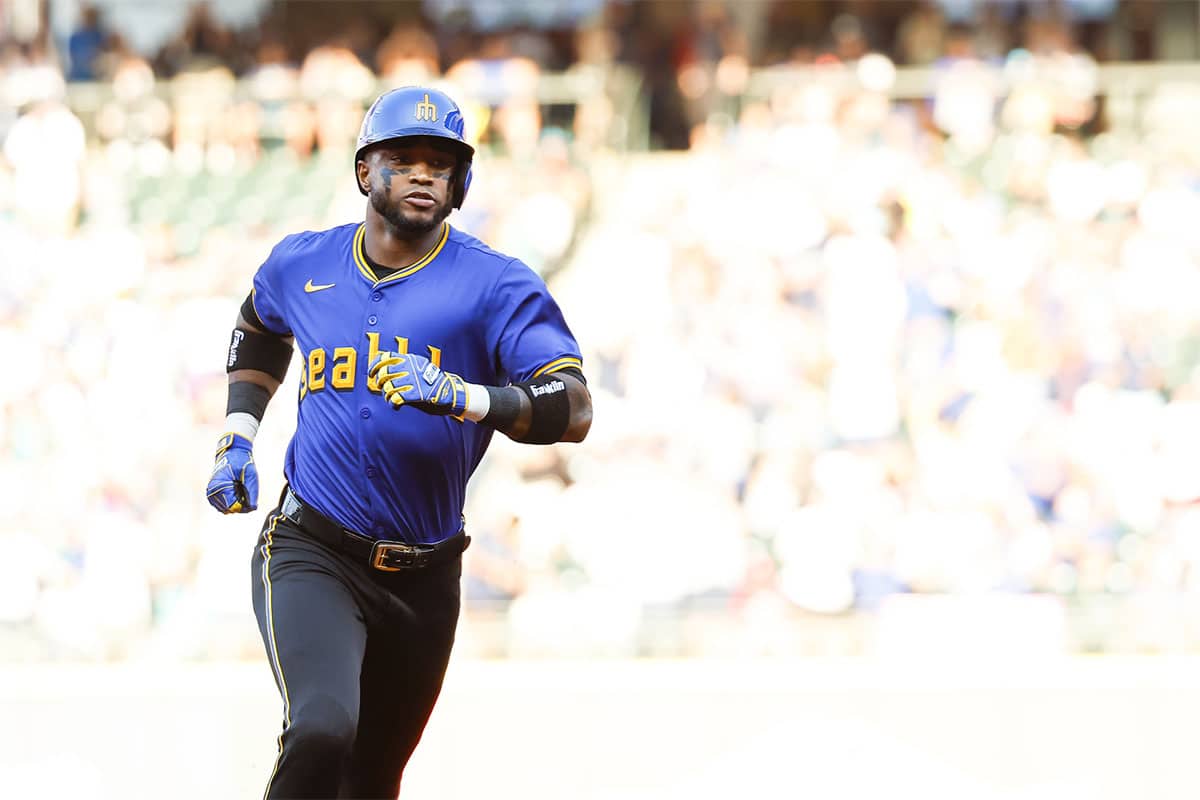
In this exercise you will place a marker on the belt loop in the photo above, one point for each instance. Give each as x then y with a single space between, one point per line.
291 507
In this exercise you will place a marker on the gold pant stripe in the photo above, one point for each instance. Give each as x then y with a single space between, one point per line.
273 651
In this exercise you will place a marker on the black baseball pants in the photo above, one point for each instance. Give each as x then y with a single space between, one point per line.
358 655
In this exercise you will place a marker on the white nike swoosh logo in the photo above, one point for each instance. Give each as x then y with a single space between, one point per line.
308 287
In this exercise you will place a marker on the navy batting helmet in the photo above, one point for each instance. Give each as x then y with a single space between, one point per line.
418 111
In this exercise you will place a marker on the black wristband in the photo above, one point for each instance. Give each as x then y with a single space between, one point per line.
504 407
248 398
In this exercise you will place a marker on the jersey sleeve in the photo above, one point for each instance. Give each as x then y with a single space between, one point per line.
526 329
267 297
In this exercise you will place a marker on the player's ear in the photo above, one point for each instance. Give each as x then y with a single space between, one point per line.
363 172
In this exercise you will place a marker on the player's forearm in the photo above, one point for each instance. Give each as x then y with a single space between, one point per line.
256 366
249 393
255 377
522 413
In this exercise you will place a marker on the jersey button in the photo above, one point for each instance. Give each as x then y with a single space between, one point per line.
371 472
371 320
377 296
364 412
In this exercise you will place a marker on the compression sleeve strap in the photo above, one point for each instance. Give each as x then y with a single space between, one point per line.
264 352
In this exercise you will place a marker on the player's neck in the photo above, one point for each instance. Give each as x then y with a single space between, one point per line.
388 247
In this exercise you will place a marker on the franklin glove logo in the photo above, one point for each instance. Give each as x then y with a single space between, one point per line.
549 388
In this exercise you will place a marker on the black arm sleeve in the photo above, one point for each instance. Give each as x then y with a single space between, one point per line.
264 352
551 409
574 372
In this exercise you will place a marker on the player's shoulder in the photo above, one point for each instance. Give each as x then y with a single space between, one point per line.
478 254
298 246
505 271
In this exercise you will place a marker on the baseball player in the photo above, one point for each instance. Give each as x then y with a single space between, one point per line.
418 341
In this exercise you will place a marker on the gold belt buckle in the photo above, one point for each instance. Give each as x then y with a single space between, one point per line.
383 552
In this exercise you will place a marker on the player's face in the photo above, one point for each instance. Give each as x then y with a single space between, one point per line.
411 184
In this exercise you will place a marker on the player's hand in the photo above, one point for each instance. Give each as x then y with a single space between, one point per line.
233 487
414 380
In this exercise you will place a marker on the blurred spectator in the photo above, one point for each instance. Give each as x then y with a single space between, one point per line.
85 45
408 56
921 37
135 115
653 39
45 147
504 86
286 120
203 43
30 76
336 82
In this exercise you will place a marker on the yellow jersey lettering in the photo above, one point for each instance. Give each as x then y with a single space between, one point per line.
316 369
341 376
372 351
344 367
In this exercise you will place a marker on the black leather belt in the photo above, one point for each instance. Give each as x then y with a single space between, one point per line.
382 554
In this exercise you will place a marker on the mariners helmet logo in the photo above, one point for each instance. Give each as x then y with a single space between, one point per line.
426 111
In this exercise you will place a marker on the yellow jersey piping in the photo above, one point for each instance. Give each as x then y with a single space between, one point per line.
365 270
254 305
566 362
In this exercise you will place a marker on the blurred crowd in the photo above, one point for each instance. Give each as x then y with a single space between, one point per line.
845 350
689 54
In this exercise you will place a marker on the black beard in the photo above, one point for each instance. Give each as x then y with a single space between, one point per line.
401 224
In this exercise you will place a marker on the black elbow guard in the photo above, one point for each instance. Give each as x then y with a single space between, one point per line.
259 351
551 409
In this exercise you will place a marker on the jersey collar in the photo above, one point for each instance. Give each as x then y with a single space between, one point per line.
364 268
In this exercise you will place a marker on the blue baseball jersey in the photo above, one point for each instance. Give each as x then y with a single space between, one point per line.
400 473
